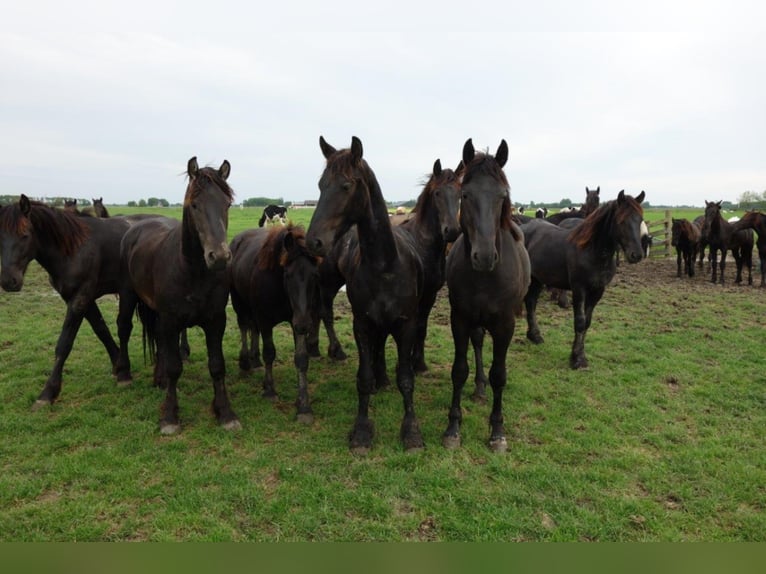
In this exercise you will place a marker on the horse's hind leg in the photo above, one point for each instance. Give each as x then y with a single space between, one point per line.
335 349
530 302
97 323
269 354
361 435
183 345
71 326
167 370
128 302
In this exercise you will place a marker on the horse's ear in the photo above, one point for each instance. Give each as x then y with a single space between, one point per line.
25 205
356 149
192 168
598 190
460 169
621 196
501 157
468 151
437 167
718 203
224 170
640 196
327 149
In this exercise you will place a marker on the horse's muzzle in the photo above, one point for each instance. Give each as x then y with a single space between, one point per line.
634 256
12 283
484 261
218 259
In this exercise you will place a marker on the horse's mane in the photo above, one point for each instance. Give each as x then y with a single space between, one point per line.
271 254
608 214
211 175
485 164
55 226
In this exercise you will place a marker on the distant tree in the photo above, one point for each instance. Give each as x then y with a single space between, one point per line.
142 203
263 201
752 200
152 202
566 202
132 203
164 202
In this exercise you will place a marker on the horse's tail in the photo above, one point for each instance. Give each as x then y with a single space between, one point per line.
262 220
148 318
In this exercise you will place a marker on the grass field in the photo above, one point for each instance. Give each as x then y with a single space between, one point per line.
660 439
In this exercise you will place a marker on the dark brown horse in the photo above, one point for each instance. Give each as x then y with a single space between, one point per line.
178 272
384 285
275 279
685 237
699 223
721 236
97 209
82 258
488 273
582 260
757 221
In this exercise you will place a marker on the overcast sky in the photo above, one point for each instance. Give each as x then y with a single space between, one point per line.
111 99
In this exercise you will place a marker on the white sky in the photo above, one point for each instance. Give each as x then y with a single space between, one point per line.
111 99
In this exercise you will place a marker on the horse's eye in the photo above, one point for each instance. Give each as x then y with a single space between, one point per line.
438 193
347 185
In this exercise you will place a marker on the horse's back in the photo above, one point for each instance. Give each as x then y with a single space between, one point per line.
547 247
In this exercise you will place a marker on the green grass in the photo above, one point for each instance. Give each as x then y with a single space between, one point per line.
660 439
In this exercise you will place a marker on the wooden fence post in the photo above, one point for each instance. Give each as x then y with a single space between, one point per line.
668 232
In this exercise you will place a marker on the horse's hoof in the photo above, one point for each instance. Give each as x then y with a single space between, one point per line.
270 396
415 449
168 429
305 418
479 396
232 425
536 338
359 450
40 404
498 444
337 354
581 363
451 442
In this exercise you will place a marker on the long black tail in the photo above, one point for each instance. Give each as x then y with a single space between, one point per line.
262 220
148 318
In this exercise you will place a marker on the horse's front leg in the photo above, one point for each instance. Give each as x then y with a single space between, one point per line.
460 337
167 371
214 330
269 355
480 377
679 257
584 303
418 352
304 414
361 435
409 432
501 339
72 321
327 297
713 259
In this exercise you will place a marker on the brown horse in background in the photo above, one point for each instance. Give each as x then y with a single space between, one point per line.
685 237
757 221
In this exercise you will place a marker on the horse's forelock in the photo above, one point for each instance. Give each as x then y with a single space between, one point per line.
208 175
484 164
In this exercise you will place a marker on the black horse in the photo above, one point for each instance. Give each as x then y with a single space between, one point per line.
685 237
721 236
275 279
273 213
582 260
178 272
82 258
757 221
488 273
384 285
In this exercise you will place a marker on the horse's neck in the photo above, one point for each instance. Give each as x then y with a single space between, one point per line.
376 237
191 248
426 229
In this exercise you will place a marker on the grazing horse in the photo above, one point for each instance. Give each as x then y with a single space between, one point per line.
722 236
582 260
488 273
384 283
757 221
274 279
177 270
273 213
97 209
685 237
82 258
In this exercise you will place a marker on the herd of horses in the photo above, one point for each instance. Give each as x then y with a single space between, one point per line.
174 274
712 231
